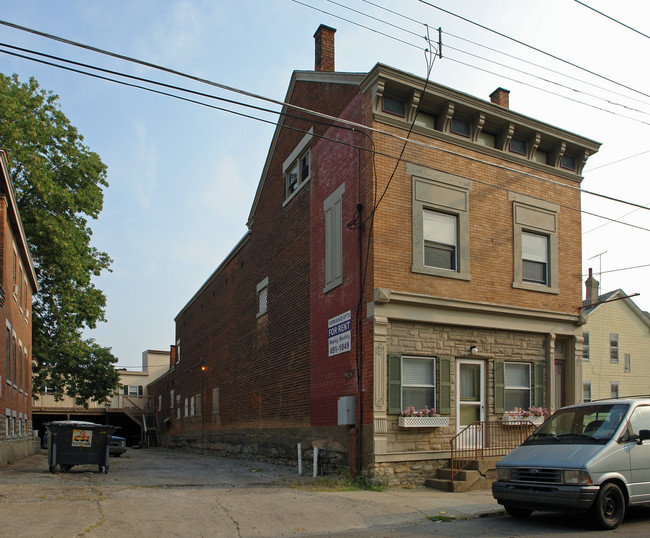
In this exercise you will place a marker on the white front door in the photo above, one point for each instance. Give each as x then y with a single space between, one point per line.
470 395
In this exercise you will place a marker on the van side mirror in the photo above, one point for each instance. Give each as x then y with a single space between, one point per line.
643 435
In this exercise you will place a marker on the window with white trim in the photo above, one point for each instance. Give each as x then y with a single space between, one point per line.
418 382
586 391
333 208
535 244
534 254
628 362
187 406
262 297
517 378
585 346
613 347
440 223
192 408
613 389
440 234
297 167
199 404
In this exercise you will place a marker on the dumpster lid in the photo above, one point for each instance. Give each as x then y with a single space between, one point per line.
76 423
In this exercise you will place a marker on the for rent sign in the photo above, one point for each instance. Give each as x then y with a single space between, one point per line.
339 334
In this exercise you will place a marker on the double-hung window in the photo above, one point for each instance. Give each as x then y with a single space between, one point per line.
585 346
418 382
517 385
534 254
535 244
297 167
440 223
440 233
586 391
613 347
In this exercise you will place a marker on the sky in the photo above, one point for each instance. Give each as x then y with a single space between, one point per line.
182 176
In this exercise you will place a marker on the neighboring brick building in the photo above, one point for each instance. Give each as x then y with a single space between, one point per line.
460 290
17 286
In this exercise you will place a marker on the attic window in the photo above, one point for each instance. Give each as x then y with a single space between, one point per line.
518 145
460 127
568 162
393 106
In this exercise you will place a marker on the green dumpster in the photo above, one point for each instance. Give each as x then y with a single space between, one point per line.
74 442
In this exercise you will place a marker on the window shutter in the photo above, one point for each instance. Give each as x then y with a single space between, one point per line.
444 404
126 390
139 390
394 384
539 384
499 388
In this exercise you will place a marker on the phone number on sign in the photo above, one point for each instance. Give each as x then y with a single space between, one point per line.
339 347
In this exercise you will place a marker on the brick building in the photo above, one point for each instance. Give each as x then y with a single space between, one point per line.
17 285
449 278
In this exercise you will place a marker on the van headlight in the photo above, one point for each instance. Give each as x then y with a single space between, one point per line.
576 478
503 474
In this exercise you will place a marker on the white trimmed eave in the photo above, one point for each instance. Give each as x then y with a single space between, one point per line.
396 305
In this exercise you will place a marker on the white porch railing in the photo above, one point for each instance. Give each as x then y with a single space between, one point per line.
119 401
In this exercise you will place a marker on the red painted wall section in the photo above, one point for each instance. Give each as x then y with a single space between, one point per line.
335 163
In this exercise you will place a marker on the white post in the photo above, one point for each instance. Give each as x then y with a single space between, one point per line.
300 459
315 461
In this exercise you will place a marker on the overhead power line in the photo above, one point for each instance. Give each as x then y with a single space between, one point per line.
289 105
536 49
613 19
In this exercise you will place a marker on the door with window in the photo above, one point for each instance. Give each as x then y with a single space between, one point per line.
470 400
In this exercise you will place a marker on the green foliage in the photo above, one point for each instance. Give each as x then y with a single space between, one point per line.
338 482
59 185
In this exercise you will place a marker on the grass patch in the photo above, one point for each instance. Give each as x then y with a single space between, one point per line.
443 518
334 483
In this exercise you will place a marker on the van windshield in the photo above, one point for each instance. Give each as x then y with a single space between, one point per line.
585 424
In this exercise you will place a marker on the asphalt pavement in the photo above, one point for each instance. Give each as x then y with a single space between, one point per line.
159 492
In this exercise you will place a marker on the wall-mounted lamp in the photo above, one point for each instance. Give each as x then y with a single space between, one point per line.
473 350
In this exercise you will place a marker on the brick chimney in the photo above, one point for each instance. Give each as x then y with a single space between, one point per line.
324 41
172 356
592 289
501 97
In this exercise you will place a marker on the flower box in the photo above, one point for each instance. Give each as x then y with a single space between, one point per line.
422 422
518 420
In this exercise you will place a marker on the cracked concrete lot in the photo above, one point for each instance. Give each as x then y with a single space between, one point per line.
159 492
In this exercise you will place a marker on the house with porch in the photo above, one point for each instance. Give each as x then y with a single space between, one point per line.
130 409
408 245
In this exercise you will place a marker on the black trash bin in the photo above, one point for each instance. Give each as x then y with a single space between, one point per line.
73 442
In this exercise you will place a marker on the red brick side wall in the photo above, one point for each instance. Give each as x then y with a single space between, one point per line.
260 365
16 395
335 164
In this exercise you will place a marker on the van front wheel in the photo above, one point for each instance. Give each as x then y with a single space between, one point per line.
609 507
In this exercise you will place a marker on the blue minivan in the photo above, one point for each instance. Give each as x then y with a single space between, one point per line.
591 457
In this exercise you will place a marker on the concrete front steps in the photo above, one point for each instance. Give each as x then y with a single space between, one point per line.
477 475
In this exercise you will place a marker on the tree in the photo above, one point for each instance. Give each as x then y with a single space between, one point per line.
59 185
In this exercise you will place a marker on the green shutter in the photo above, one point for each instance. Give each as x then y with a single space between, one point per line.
499 388
444 403
126 389
539 384
394 384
